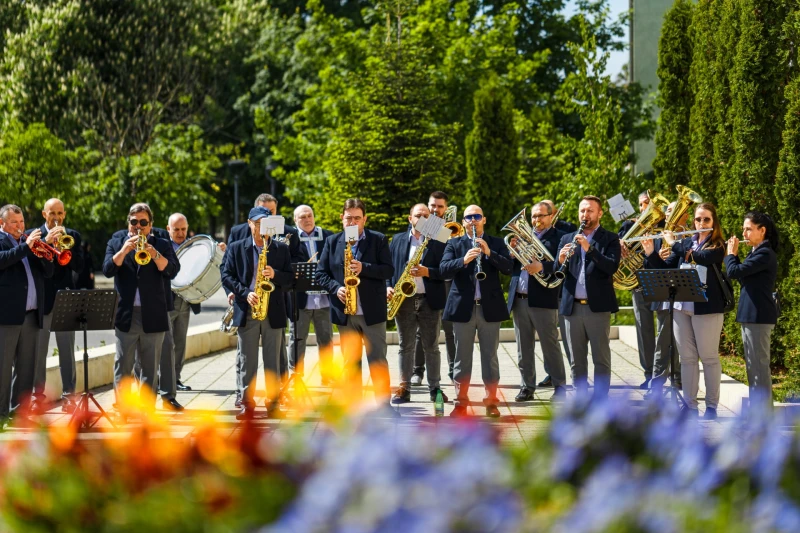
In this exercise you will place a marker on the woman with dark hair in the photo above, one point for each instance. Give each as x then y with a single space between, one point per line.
698 325
757 312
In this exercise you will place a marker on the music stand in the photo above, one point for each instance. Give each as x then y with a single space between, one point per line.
85 310
671 285
303 281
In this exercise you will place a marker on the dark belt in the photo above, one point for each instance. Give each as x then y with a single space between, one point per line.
522 296
478 301
582 302
31 311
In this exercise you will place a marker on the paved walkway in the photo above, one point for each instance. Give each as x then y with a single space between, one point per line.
212 378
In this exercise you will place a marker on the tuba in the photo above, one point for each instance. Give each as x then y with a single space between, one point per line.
263 286
456 229
406 286
141 257
351 283
625 277
529 247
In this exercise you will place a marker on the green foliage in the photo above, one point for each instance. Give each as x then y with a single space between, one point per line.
675 98
544 156
33 166
492 149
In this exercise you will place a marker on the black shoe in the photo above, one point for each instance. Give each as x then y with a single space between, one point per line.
68 405
171 404
687 412
273 410
559 394
492 411
245 414
401 395
433 395
238 402
181 387
525 395
546 382
710 414
459 411
646 384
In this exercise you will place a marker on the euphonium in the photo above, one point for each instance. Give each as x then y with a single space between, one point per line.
528 248
263 286
351 282
625 277
456 229
142 257
480 275
687 199
406 286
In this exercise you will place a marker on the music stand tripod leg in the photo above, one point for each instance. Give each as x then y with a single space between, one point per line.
82 417
677 397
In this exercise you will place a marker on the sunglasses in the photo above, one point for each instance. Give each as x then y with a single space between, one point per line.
702 219
476 217
137 222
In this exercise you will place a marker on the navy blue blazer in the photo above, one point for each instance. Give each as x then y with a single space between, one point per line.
756 275
376 259
62 275
602 260
538 296
432 256
153 285
238 272
707 257
14 281
461 299
298 253
161 234
564 226
302 298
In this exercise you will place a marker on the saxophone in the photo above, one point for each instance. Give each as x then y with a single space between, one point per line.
263 285
406 286
351 283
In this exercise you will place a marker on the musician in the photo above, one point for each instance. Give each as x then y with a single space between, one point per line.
661 359
239 278
372 263
474 305
642 311
698 325
52 230
422 312
563 226
757 312
437 204
22 276
587 295
535 310
298 255
142 314
313 307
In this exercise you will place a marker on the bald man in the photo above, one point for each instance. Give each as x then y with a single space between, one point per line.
54 214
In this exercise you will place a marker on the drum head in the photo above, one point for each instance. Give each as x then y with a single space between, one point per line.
194 255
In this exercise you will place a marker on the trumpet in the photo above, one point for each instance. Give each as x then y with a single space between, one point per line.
663 235
48 253
65 242
456 229
480 275
142 257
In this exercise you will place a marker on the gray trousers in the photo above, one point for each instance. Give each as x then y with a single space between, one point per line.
645 333
298 332
755 338
354 337
18 346
586 328
179 324
142 348
527 322
661 360
167 384
698 340
449 341
489 341
415 319
562 327
249 337
65 340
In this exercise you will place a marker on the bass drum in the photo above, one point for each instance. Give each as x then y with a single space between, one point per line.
199 277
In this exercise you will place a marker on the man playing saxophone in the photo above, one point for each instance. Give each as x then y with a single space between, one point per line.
253 268
372 265
416 275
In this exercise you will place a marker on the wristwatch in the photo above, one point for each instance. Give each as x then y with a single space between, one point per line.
158 254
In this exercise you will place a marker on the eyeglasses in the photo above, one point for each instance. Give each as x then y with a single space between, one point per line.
705 220
539 216
477 217
136 222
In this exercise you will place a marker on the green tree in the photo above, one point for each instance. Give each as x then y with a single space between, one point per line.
492 153
675 98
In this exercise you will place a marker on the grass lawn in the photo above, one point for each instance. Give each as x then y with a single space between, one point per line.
784 385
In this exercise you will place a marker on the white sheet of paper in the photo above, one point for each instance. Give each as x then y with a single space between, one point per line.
431 228
272 225
620 208
351 233
443 235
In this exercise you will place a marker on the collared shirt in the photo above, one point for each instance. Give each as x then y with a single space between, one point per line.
315 301
580 288
175 245
524 277
412 249
30 301
359 310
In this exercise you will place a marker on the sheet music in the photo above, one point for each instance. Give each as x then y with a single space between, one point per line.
620 208
272 225
432 227
351 233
